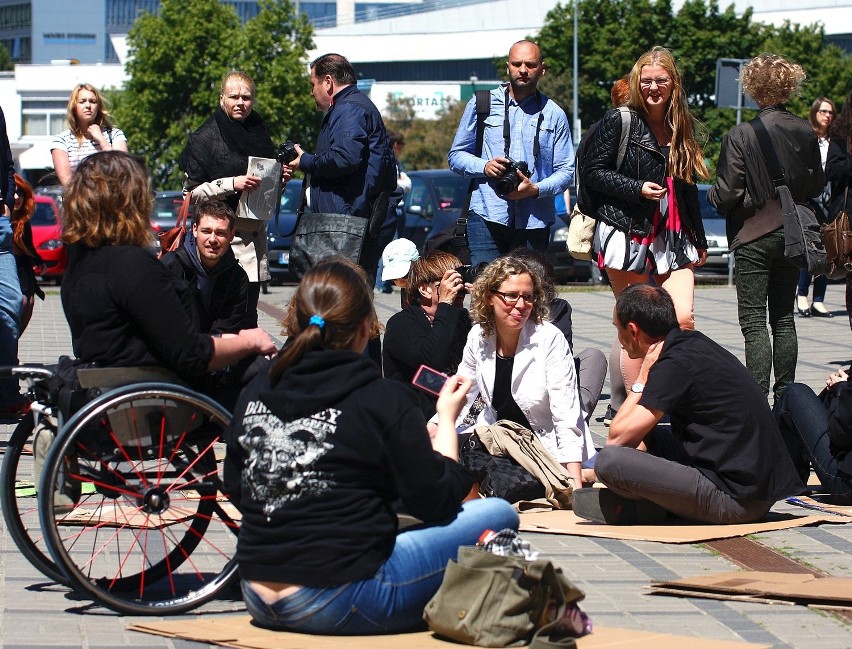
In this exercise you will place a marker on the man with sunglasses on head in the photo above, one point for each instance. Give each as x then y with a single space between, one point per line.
526 160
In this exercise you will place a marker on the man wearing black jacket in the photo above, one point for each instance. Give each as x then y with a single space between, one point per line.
207 264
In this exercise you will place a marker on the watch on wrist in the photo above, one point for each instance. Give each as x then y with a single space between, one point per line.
637 387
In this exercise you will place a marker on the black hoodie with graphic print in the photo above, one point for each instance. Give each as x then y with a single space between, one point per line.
315 460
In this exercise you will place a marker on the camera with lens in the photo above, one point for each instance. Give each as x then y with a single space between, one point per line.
509 181
470 273
286 152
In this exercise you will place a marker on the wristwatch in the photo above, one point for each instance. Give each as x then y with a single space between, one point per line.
637 387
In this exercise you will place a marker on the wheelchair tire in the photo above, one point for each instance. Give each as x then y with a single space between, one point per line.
18 501
153 534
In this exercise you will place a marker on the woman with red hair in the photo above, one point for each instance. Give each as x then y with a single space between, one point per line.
26 255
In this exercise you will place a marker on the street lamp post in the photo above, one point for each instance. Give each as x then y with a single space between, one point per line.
576 82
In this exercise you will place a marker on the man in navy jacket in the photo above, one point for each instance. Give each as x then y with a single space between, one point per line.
354 162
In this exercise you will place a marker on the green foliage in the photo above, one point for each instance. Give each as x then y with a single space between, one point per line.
427 141
614 33
6 62
177 61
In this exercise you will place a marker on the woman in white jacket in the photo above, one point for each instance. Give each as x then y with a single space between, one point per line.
521 365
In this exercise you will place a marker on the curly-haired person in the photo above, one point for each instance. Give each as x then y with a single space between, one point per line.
745 193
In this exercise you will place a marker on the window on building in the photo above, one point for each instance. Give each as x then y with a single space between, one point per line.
121 14
17 16
43 117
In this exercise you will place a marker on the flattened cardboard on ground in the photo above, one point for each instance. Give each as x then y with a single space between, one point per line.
822 502
765 587
237 631
567 522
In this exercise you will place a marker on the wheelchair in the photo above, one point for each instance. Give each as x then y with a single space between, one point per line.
128 507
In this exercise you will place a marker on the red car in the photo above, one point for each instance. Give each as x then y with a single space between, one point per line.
47 238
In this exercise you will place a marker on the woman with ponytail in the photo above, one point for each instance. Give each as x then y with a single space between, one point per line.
319 449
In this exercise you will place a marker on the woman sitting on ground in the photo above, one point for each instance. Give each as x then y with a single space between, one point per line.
522 365
318 450
124 308
590 363
818 432
433 329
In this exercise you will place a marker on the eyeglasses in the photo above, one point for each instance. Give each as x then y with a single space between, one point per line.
825 111
511 299
660 81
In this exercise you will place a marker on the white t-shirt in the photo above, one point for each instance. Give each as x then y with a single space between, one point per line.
79 151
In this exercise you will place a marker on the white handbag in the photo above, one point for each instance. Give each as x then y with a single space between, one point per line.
581 233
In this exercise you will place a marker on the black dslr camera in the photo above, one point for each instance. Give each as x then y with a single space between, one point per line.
286 152
509 181
470 273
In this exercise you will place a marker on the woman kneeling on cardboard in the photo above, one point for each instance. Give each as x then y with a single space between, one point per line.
318 450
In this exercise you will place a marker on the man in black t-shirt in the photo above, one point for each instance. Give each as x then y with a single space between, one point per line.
724 460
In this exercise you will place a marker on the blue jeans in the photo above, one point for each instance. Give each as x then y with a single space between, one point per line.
766 280
10 312
393 599
803 420
820 285
488 240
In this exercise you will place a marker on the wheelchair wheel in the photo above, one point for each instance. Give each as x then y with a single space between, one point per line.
18 500
131 500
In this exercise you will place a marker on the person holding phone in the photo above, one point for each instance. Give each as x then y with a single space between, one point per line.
521 365
319 449
433 328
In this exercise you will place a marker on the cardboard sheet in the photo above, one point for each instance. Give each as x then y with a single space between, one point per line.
766 587
567 522
237 631
823 504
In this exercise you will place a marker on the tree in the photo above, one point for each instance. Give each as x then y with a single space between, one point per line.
427 141
6 62
612 34
177 61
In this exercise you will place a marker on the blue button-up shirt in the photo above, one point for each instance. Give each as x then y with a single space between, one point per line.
554 167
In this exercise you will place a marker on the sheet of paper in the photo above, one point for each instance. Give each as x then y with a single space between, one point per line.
259 204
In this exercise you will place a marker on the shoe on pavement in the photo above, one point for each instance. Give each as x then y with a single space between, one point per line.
818 310
604 506
802 306
609 416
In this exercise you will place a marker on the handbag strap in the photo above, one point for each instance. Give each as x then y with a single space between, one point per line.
768 150
183 214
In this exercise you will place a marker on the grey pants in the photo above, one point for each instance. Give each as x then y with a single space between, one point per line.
680 489
591 374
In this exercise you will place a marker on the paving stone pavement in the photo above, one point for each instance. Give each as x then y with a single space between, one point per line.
614 574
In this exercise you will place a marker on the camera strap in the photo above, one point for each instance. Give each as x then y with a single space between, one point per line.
507 131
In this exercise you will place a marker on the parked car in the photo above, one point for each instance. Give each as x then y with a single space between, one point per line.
165 211
47 239
279 235
433 203
714 230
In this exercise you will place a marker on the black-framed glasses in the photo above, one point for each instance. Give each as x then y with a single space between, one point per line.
825 111
511 299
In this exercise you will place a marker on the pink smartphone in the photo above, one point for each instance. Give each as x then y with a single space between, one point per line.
430 380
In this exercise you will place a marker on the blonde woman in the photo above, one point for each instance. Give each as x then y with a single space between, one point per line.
745 194
649 220
91 131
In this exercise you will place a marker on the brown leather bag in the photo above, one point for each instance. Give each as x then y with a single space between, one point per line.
837 238
171 240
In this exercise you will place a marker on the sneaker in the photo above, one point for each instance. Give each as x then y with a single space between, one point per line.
609 416
604 506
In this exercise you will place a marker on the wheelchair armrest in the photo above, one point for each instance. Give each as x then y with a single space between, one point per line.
111 377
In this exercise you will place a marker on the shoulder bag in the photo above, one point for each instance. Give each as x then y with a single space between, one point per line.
320 235
489 600
171 240
803 245
581 230
837 238
499 477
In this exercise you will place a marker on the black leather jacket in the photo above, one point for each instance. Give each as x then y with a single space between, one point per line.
617 193
838 172
743 182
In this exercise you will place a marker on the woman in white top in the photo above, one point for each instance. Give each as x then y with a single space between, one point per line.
91 131
522 366
820 116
